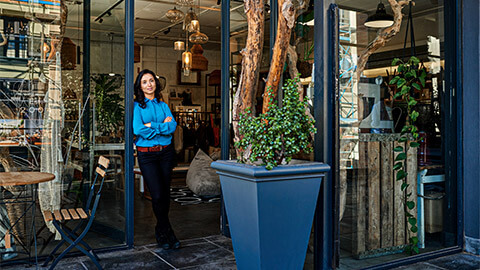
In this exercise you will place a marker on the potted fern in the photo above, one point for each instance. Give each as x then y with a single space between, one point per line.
270 204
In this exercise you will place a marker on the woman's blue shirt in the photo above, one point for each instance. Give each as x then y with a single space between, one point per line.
159 133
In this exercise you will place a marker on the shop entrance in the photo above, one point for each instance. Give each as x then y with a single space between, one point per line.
181 44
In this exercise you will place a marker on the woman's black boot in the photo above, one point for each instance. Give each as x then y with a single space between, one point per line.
172 239
163 240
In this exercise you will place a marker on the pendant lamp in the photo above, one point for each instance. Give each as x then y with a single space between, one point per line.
380 19
179 45
174 15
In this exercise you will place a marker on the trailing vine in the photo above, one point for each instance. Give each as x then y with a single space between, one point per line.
410 76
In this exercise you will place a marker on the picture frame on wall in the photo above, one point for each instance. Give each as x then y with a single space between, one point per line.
192 79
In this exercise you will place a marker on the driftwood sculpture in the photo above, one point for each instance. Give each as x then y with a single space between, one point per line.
252 53
251 56
384 35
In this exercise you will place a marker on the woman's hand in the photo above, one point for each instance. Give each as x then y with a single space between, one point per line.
148 124
168 119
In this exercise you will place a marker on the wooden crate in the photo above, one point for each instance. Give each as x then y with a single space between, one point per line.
374 222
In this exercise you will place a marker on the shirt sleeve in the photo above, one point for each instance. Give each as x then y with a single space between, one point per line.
139 129
166 128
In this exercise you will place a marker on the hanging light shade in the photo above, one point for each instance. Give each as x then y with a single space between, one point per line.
199 62
179 45
184 2
198 38
174 15
194 26
380 19
191 16
186 62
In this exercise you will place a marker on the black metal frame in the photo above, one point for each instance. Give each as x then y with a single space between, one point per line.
28 197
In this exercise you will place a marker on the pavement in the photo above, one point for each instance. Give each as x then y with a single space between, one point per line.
214 252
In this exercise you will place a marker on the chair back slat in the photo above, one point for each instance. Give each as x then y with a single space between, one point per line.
100 171
103 161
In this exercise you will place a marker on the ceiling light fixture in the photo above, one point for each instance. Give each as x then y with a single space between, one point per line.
179 45
198 38
187 23
174 15
380 19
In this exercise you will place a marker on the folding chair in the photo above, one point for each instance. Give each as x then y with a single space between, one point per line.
85 215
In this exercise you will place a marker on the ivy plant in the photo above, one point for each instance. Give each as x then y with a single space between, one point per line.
411 75
274 137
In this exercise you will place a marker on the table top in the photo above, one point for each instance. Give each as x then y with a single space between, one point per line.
24 178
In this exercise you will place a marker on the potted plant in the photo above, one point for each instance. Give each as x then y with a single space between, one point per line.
108 107
270 205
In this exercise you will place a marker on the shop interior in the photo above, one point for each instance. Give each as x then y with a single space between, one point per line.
180 41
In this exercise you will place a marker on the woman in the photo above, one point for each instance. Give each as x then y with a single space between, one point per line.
153 125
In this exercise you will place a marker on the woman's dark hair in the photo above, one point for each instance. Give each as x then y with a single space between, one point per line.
137 87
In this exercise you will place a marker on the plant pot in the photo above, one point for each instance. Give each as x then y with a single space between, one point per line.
270 213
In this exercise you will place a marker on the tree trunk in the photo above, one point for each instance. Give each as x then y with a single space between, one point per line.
286 21
251 56
384 35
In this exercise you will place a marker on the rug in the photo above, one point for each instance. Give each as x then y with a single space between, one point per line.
184 196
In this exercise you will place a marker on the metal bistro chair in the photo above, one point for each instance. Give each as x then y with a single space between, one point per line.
86 215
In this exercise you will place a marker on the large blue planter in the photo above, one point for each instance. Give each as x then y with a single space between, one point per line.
270 212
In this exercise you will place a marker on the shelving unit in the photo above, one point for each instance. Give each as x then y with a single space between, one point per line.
213 79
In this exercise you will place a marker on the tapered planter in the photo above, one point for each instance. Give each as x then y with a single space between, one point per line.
270 213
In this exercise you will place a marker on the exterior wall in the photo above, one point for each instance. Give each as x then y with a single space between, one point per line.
471 123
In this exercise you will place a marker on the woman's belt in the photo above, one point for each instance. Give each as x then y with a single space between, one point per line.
156 148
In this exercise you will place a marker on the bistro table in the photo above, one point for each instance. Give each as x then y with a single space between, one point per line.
29 180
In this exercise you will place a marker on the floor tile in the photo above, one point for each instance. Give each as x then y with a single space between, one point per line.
458 262
222 241
195 255
227 265
133 260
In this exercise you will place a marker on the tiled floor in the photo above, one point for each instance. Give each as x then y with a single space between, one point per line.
213 252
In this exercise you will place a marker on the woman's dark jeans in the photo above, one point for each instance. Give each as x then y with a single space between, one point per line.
156 170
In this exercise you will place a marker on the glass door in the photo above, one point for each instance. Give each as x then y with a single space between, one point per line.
393 193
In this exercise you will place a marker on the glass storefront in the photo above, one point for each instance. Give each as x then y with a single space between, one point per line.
52 123
57 117
381 212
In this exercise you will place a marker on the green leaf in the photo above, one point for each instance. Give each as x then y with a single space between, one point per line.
397 166
412 221
401 82
414 229
403 139
416 86
422 81
414 240
395 61
398 149
416 250
410 205
401 174
414 144
412 102
398 94
401 156
414 60
404 186
394 80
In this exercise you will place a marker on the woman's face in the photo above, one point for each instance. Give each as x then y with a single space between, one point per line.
148 84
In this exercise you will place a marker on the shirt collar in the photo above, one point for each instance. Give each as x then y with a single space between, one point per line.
154 100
